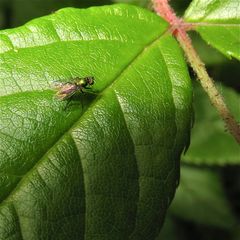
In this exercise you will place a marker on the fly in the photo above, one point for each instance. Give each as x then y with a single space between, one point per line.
68 89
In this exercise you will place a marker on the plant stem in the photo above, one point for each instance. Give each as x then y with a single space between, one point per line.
179 28
208 85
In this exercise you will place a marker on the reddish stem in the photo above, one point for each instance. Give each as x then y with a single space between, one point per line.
178 29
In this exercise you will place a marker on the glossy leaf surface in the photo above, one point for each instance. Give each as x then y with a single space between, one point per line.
106 165
218 22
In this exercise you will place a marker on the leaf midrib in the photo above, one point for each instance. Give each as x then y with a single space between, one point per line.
68 131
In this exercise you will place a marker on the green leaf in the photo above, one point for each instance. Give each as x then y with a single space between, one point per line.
141 3
169 230
218 22
200 198
210 56
210 142
104 166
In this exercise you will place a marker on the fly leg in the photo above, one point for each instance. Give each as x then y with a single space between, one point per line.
68 103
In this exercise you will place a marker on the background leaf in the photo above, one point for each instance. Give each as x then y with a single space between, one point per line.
175 228
18 12
169 230
218 23
107 166
210 143
209 55
141 3
200 198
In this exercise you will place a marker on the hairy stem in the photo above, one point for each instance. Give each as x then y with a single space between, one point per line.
179 28
208 85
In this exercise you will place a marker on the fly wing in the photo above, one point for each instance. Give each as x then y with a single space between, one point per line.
67 88
64 90
57 85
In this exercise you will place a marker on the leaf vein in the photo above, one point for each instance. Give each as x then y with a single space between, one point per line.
130 63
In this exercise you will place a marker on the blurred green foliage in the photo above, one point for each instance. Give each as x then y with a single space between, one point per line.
141 3
211 144
210 193
202 187
18 12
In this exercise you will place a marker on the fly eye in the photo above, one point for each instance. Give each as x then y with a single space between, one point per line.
83 83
